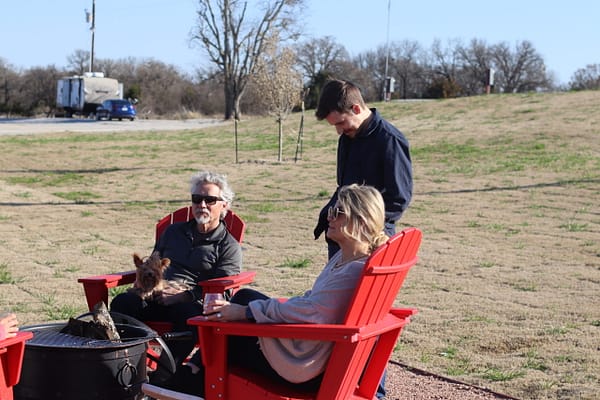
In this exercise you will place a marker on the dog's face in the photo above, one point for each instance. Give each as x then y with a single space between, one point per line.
149 271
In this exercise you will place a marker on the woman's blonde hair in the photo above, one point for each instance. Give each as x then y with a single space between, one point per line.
363 206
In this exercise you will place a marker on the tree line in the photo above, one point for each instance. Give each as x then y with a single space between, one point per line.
239 47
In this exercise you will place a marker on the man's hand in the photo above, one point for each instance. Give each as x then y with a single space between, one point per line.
172 295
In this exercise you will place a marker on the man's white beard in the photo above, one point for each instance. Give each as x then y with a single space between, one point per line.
204 217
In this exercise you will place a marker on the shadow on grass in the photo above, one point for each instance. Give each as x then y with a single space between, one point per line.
515 187
182 201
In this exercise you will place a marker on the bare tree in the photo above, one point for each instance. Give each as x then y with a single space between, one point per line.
278 84
320 59
234 41
123 69
446 68
316 56
78 62
9 78
521 70
371 82
207 91
476 61
39 89
405 59
161 87
587 78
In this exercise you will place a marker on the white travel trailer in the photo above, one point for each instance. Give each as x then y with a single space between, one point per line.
82 94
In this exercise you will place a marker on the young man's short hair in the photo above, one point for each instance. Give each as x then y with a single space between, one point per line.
338 95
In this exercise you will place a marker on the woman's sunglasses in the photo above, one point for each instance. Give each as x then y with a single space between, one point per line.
208 200
334 212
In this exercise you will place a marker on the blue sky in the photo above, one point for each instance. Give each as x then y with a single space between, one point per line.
45 32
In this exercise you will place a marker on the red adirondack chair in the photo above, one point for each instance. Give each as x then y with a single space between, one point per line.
96 287
11 361
363 342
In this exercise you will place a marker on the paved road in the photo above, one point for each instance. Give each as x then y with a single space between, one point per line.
27 126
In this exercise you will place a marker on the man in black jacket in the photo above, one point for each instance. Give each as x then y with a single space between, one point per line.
371 151
199 249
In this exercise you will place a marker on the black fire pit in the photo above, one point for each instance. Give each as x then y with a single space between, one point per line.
63 366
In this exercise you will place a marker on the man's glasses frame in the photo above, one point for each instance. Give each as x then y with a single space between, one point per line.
208 200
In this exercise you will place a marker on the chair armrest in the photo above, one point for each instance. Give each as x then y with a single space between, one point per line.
213 335
11 355
96 287
219 285
404 312
322 332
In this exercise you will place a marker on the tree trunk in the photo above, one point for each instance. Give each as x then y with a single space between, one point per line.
229 101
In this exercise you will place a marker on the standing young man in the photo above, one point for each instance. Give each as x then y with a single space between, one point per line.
371 151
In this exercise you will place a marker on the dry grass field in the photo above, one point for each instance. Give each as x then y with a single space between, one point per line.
507 193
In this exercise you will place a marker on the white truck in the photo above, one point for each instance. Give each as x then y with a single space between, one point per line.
82 94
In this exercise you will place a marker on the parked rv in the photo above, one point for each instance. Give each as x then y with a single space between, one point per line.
81 95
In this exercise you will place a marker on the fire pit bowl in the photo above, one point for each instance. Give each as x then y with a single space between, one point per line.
63 366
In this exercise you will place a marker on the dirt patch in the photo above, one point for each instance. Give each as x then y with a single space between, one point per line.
506 191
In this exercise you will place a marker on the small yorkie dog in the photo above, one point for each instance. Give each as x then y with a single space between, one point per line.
149 280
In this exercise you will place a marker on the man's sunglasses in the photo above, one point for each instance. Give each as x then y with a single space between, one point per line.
208 200
334 212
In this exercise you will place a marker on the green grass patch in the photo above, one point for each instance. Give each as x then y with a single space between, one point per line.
296 264
24 180
266 207
534 361
449 352
498 375
112 292
486 264
77 197
481 156
572 226
62 312
459 367
5 275
525 287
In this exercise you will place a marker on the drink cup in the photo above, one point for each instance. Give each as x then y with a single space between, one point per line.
210 298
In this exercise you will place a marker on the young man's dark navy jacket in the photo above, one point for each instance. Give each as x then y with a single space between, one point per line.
377 156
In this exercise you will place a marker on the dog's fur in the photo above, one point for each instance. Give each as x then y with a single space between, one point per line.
149 280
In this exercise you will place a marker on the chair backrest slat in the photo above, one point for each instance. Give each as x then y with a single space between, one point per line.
382 278
235 225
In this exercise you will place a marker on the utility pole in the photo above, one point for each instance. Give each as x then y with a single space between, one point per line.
91 18
387 55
